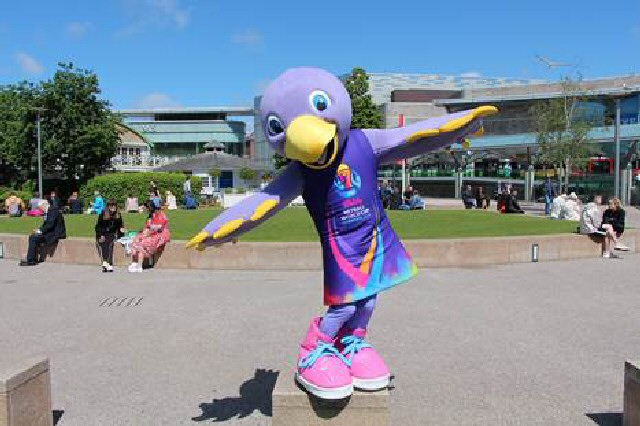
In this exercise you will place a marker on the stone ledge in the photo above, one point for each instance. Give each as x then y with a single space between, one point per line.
631 415
301 256
25 394
293 406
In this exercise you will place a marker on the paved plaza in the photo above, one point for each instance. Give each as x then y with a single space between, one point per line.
528 344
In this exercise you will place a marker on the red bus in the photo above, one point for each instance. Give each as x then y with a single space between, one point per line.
601 166
606 166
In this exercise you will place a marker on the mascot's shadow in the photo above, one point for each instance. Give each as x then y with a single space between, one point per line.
255 394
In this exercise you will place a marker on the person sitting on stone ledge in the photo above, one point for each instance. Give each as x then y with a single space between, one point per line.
615 216
52 230
589 220
109 227
152 238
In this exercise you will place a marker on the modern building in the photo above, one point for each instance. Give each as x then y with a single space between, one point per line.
175 133
510 134
227 168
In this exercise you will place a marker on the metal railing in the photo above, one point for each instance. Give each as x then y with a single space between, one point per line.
142 162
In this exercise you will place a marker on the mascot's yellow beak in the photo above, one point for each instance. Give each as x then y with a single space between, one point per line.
312 140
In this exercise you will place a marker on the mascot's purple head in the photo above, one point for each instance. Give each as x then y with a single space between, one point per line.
306 115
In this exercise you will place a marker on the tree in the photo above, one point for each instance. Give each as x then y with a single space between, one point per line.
366 114
562 126
247 174
215 172
78 130
280 161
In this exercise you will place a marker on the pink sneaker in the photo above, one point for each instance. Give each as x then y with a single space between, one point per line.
368 370
322 370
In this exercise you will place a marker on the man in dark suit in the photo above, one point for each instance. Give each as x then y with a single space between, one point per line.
52 230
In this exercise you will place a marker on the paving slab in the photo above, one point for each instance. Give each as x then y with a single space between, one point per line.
525 344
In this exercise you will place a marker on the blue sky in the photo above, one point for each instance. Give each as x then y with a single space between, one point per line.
151 53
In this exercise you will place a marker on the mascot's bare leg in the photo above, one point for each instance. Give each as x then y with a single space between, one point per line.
334 358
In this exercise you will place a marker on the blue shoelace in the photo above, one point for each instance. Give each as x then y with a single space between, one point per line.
352 345
323 349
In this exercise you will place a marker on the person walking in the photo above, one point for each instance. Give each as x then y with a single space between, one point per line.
109 227
186 186
549 195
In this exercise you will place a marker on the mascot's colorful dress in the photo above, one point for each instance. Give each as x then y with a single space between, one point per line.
306 116
362 254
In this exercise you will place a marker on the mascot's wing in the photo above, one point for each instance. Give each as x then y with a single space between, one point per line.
428 135
252 211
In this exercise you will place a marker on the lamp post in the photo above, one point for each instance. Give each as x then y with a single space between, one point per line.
616 137
38 110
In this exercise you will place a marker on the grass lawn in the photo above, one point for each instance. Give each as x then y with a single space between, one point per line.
294 224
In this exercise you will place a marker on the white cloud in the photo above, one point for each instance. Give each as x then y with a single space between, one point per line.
156 100
249 37
144 14
29 63
77 29
471 74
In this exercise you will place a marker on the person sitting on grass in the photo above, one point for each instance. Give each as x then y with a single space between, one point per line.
170 201
511 203
98 203
52 230
571 208
131 205
14 205
467 198
190 202
109 228
615 216
589 220
152 238
415 202
557 206
34 211
75 203
154 196
482 201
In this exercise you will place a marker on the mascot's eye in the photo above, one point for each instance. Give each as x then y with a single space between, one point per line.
274 125
319 100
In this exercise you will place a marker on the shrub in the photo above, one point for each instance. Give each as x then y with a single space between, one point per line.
120 185
247 174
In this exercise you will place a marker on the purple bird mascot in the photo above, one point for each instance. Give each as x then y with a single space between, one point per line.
306 116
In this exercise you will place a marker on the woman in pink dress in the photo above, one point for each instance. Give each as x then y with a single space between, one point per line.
152 238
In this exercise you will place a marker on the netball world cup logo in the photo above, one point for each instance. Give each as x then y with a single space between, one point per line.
347 181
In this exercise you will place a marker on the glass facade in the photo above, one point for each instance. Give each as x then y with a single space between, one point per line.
178 133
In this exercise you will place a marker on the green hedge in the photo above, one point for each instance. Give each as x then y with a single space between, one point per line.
120 185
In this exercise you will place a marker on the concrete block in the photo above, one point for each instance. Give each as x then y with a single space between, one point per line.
631 415
14 245
25 394
293 406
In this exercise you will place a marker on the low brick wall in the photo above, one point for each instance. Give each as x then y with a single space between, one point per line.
307 256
